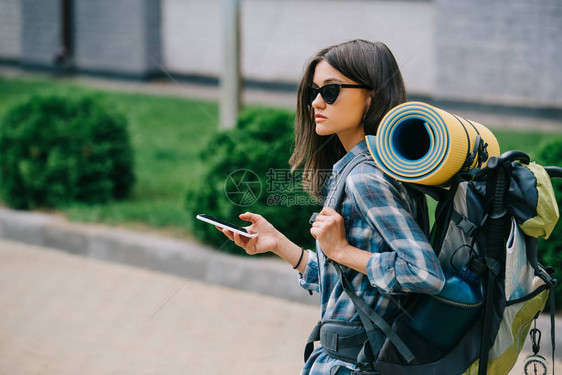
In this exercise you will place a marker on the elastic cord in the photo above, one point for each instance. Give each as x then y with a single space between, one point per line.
300 259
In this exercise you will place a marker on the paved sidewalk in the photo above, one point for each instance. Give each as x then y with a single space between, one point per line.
66 314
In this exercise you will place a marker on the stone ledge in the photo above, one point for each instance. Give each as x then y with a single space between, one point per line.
182 258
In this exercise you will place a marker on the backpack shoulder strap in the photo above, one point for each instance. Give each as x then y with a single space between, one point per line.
335 198
369 318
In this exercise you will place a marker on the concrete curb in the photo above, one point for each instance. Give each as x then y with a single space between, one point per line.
182 258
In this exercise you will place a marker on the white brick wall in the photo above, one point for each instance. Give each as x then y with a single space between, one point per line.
279 36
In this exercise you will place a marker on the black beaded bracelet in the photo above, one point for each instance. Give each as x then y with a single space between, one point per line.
300 259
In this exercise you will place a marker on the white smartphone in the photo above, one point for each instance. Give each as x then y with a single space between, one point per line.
225 224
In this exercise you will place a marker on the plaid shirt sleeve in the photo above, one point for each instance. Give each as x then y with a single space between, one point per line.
310 279
411 264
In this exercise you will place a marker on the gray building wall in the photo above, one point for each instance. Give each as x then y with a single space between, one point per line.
499 51
10 29
117 36
278 36
41 32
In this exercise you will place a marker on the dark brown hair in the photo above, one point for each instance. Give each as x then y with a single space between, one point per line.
364 62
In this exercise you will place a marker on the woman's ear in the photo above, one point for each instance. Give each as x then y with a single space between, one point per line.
368 101
370 98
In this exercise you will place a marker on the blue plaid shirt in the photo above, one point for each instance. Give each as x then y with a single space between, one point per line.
402 261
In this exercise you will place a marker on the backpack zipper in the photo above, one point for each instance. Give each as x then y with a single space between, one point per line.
463 305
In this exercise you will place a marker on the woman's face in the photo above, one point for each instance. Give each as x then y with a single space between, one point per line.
344 117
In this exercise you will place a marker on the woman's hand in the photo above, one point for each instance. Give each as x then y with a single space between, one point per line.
329 230
268 238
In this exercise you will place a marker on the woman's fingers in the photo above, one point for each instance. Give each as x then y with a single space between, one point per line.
322 219
227 233
328 211
251 244
238 240
246 243
313 232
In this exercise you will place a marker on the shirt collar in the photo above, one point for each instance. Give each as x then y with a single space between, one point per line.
360 148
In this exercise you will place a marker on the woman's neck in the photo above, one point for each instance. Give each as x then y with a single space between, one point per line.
350 139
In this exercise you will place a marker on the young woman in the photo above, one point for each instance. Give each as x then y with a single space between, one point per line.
345 91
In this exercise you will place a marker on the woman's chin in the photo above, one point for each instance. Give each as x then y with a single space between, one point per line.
321 130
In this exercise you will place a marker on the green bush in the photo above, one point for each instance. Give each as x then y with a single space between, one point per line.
550 251
55 150
246 169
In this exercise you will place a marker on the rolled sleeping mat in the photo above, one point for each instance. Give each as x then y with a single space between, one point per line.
418 143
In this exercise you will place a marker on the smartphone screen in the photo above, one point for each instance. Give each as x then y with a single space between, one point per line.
225 224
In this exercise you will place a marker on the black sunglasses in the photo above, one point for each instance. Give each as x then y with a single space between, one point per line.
329 92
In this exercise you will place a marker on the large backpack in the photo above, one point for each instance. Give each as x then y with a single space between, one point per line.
485 235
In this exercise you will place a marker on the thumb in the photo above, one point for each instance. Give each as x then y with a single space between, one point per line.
248 216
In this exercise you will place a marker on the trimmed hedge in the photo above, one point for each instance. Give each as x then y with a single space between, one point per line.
247 170
56 150
550 251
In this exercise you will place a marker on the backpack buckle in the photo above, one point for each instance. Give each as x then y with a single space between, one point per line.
313 218
468 227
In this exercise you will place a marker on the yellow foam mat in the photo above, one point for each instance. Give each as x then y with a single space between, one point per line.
419 143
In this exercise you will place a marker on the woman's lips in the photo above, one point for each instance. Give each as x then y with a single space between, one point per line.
319 117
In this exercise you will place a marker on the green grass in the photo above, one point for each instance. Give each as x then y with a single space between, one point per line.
528 142
167 134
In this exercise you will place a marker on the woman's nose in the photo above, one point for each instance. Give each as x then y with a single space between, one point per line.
318 101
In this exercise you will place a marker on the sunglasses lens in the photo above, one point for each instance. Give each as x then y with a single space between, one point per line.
312 94
330 93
